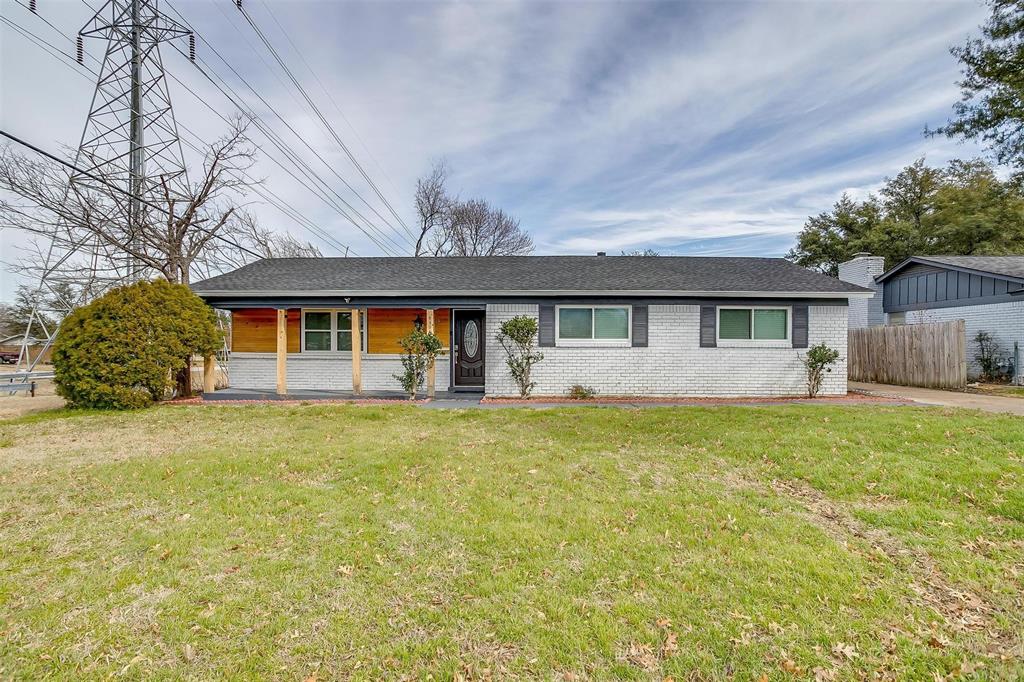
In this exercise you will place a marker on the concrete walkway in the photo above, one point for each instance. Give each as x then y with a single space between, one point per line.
930 396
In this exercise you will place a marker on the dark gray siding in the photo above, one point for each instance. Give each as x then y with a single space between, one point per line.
919 287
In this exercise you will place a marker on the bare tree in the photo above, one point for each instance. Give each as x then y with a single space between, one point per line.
176 232
450 227
432 203
475 228
181 230
641 252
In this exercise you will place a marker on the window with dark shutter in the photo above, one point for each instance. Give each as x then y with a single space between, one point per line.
799 326
640 326
707 326
546 324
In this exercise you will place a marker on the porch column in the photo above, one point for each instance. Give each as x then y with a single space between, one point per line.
431 370
209 374
282 351
357 352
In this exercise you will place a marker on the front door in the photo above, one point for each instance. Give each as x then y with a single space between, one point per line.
469 347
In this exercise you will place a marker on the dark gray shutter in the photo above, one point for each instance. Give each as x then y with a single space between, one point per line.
800 326
708 327
640 326
546 332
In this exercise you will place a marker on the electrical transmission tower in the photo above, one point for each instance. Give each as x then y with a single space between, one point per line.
131 159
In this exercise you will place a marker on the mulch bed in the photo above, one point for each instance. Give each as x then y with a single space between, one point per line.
851 397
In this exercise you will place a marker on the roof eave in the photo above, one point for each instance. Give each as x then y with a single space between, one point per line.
861 293
959 268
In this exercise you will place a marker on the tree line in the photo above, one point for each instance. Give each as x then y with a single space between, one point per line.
963 208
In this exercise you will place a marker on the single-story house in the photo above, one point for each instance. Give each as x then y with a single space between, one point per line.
986 292
622 325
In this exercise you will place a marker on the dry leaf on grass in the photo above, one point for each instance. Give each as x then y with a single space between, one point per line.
791 667
843 650
670 645
641 655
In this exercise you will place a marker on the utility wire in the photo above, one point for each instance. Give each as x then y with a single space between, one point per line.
236 100
320 187
327 93
324 121
272 198
142 200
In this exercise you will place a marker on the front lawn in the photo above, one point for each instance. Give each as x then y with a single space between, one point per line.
321 542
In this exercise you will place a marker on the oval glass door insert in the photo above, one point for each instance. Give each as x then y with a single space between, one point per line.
471 339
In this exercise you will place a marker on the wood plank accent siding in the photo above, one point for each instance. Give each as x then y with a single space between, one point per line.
255 331
386 325
931 355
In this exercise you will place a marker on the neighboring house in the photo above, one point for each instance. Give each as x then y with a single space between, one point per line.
623 325
10 347
987 292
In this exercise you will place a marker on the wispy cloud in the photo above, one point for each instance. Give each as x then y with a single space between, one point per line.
691 127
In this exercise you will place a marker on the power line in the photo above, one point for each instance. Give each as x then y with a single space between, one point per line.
273 199
316 183
324 121
142 200
327 93
301 165
235 99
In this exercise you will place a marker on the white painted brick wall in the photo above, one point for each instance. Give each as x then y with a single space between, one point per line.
862 270
323 373
1004 321
673 364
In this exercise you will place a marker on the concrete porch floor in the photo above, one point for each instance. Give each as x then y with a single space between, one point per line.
459 398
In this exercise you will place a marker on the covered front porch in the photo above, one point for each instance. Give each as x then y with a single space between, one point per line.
349 351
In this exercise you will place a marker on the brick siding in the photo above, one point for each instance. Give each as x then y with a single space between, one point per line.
323 372
673 364
864 312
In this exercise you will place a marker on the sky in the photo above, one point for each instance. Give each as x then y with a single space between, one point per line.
691 128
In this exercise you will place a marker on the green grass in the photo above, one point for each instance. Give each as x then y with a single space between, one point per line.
369 542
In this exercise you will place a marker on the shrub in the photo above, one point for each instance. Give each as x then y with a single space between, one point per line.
420 350
581 392
988 357
818 361
122 350
517 336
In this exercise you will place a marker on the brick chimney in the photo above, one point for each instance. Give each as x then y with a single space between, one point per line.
862 270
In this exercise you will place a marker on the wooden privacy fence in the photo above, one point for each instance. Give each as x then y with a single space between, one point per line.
933 355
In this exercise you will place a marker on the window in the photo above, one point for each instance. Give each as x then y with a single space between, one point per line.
593 324
329 330
344 331
317 334
753 324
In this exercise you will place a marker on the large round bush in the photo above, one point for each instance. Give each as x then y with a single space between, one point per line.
124 349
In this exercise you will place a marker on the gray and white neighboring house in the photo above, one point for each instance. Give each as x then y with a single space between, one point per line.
622 325
986 292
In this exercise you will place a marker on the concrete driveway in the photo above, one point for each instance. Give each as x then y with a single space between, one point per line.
930 396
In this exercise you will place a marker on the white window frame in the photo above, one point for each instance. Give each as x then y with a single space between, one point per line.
334 331
592 342
752 342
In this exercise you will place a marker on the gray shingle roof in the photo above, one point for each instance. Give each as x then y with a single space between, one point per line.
518 274
1009 266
